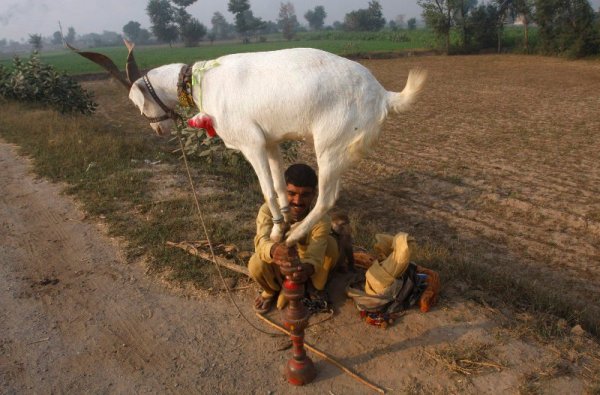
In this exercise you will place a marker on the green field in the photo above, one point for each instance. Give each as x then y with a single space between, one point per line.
152 56
357 44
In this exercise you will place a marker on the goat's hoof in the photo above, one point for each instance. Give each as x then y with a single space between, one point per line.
290 242
276 235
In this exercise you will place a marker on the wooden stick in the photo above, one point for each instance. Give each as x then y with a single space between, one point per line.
325 356
226 263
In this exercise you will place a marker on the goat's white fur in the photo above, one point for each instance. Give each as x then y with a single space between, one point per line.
258 100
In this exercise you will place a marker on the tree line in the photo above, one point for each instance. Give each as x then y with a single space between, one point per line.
563 26
170 21
463 26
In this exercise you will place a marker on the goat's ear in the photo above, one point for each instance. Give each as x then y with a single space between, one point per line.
136 95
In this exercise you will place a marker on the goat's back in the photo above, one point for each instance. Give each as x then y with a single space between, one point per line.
290 93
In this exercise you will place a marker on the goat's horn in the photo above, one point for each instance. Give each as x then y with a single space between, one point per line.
133 72
104 62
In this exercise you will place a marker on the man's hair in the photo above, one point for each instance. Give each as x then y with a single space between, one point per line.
301 175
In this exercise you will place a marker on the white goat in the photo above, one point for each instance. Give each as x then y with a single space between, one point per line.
257 100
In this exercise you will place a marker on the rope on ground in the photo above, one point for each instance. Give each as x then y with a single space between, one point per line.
326 357
178 125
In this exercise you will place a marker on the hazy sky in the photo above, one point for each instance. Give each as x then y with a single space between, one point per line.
19 18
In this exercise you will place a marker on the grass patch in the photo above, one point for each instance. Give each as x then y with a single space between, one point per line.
105 169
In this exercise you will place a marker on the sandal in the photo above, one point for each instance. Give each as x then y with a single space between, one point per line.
266 304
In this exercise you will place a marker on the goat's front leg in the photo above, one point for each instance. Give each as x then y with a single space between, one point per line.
277 174
257 155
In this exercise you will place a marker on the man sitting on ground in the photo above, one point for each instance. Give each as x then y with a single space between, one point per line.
318 251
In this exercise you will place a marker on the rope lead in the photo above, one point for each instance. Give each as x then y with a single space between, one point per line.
179 126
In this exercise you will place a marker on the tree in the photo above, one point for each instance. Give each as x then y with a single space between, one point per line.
485 26
567 26
172 20
245 21
132 31
411 23
287 20
36 42
70 35
221 29
162 16
255 25
369 19
135 33
183 3
460 14
316 17
240 9
438 16
192 32
524 9
56 38
375 19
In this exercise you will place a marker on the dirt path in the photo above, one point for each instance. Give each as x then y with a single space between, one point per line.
75 317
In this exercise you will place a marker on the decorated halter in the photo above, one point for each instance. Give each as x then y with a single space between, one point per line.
184 95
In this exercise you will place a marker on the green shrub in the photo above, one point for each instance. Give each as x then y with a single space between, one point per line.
35 82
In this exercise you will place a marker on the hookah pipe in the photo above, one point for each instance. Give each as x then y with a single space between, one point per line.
299 369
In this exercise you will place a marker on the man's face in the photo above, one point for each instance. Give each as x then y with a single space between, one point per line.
300 199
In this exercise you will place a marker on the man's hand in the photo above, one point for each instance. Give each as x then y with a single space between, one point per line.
283 255
303 272
289 262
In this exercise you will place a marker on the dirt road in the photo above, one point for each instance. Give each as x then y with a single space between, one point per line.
76 317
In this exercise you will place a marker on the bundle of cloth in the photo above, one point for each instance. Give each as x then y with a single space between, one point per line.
392 282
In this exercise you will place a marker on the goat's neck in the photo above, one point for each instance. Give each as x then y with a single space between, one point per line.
164 80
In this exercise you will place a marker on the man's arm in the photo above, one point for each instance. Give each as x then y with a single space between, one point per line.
262 241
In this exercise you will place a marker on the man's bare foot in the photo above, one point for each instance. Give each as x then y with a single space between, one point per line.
263 305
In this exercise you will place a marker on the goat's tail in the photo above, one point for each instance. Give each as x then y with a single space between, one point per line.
401 101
